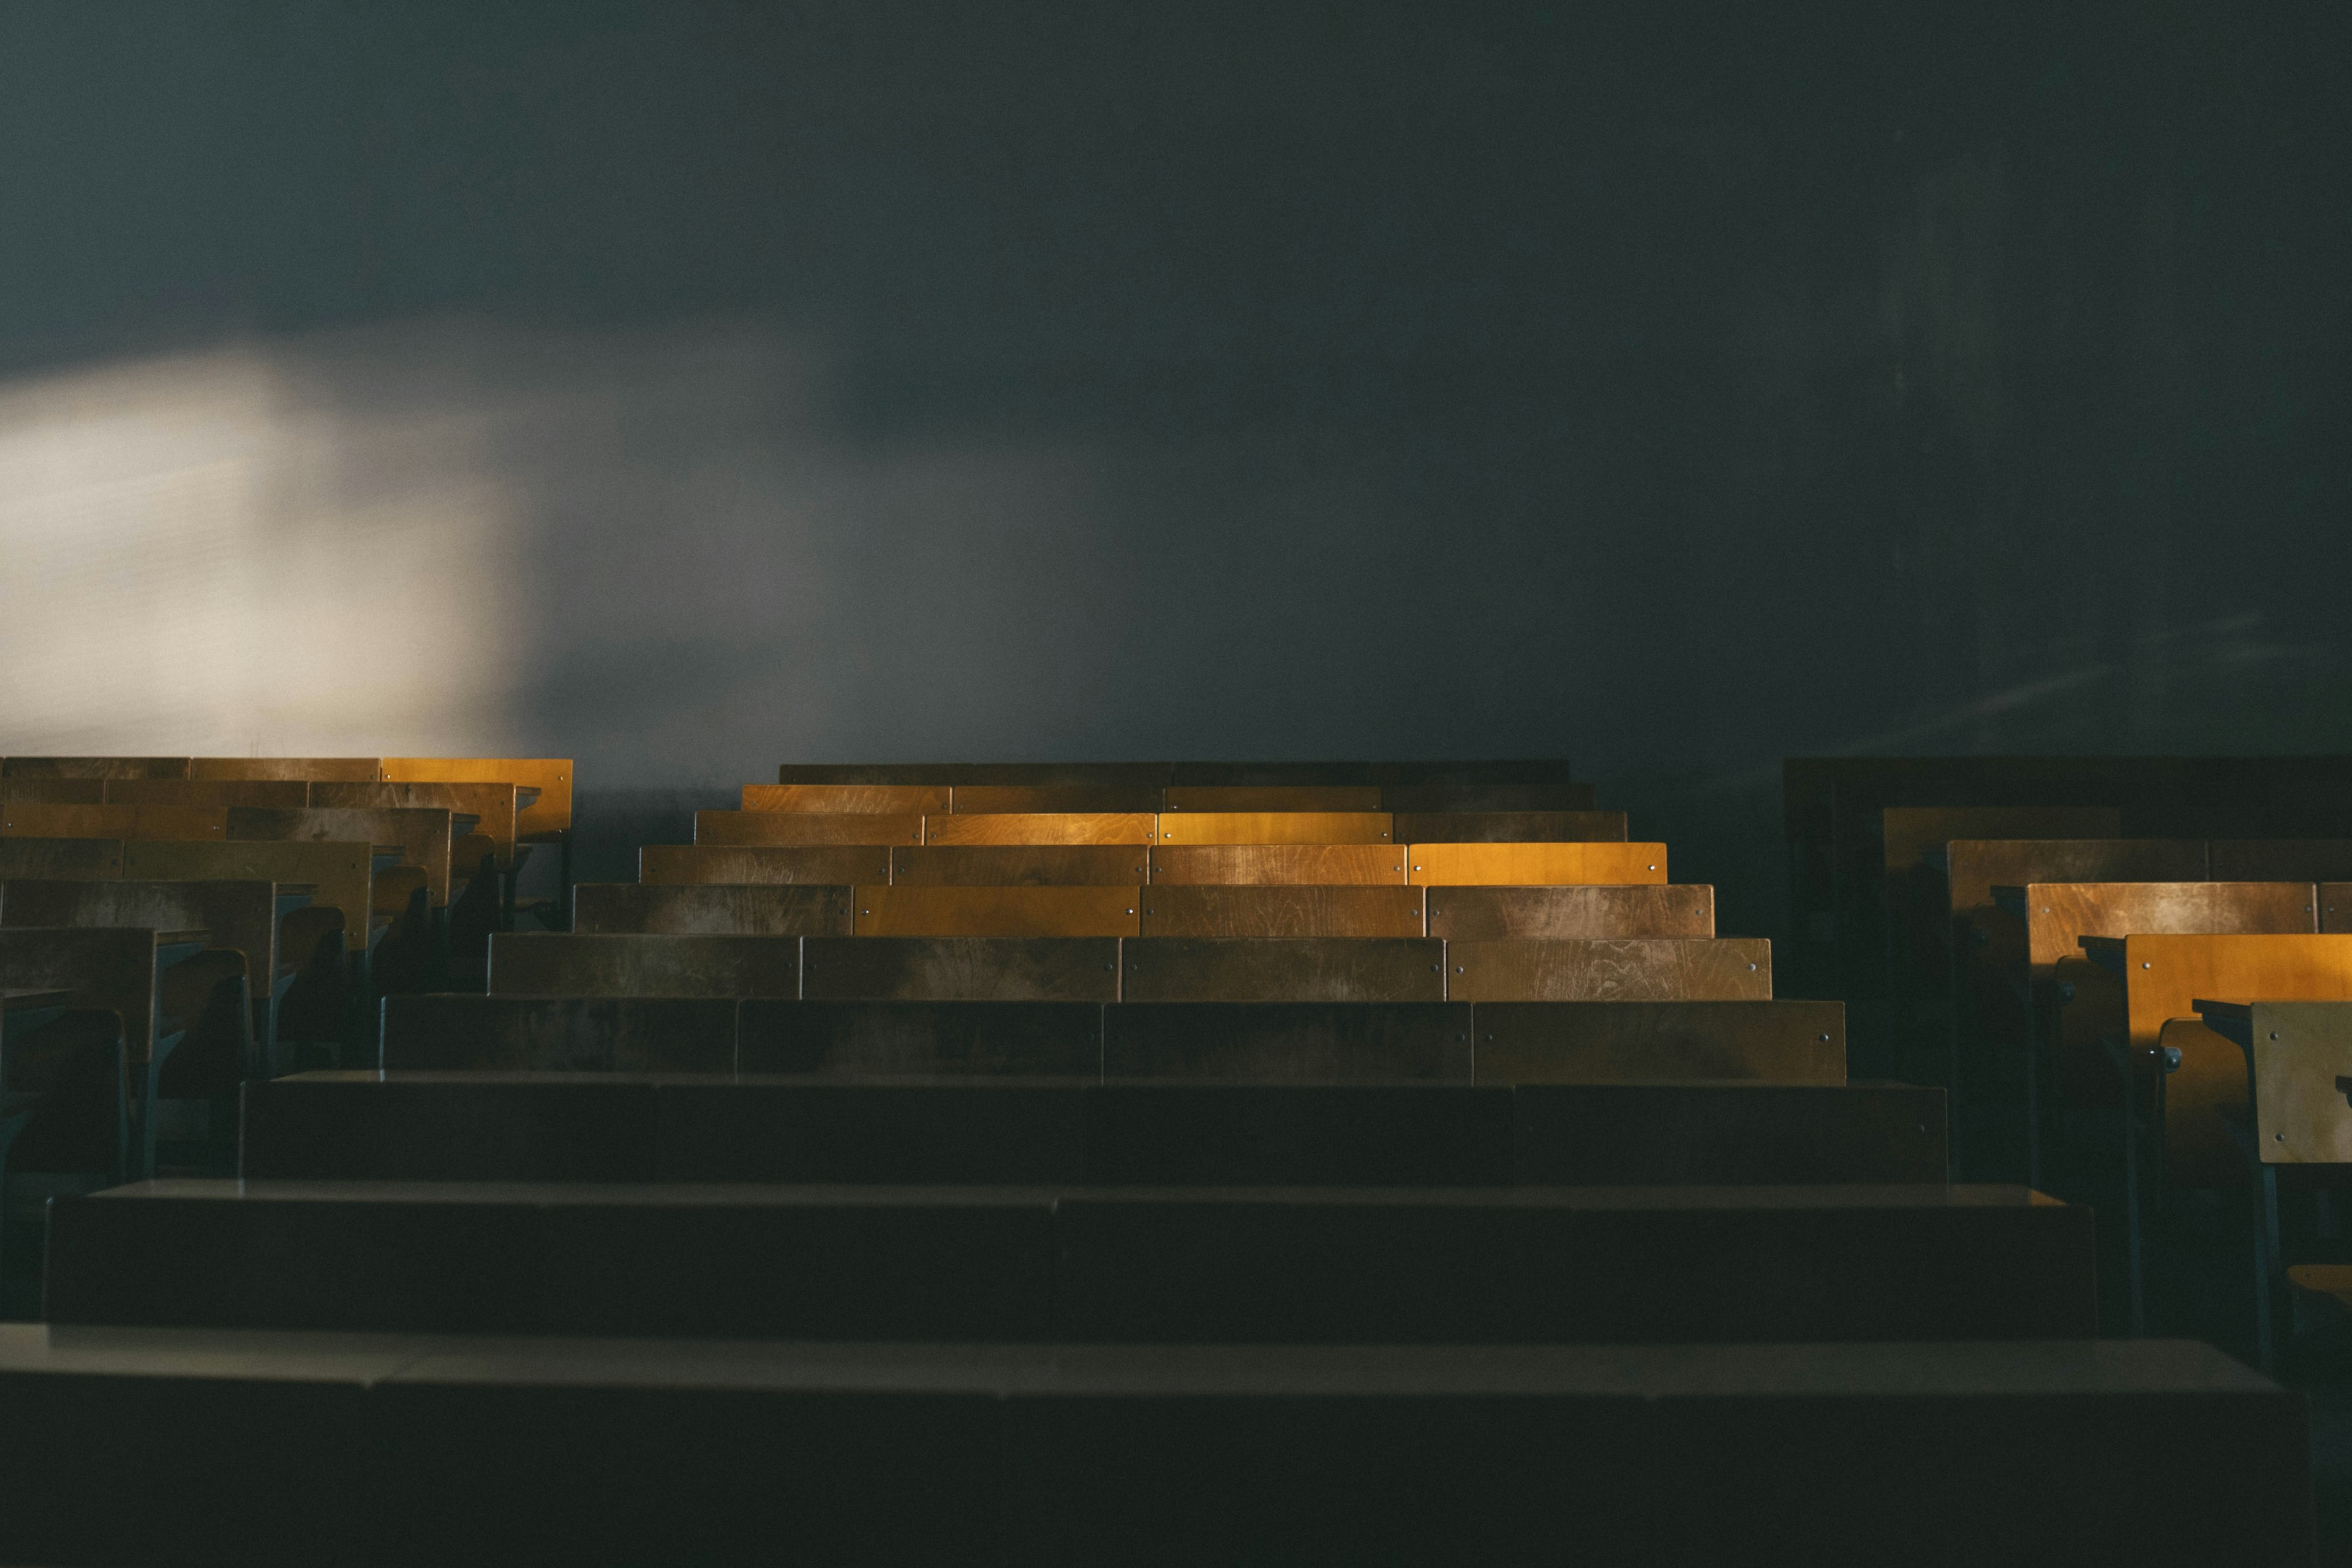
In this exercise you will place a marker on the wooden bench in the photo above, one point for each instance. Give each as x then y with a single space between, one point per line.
421 837
553 964
850 800
206 792
828 866
1572 911
1083 799
1290 1264
1041 828
349 770
573 1127
94 767
960 969
1270 827
1526 865
965 1040
1631 969
1213 911
1786 1042
25 819
507 1449
1032 911
1323 865
1291 969
595 1034
803 829
641 908
1019 866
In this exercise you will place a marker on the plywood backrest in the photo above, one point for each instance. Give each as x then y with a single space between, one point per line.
1283 911
33 820
553 964
1532 865
1572 911
612 1034
238 915
960 969
1273 828
838 865
1019 865
887 800
2058 915
806 829
1041 828
301 770
2279 860
691 910
283 793
79 859
492 805
108 967
341 873
1288 969
1630 969
54 792
1081 799
1329 864
548 817
94 767
949 911
1649 1042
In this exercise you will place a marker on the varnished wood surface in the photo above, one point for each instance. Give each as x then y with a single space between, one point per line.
1176 909
1274 827
348 770
1909 831
1212 969
1652 1042
283 793
1011 800
2335 906
961 968
885 800
2302 1058
804 829
1572 910
1974 867
833 865
610 1034
1041 827
1020 865
1258 798
550 963
1019 911
1288 1042
928 1039
1526 865
394 887
1632 969
340 872
422 834
546 817
78 858
1510 827
54 792
28 819
1329 864
2058 915
94 767
240 915
494 806
701 910
112 968
2164 973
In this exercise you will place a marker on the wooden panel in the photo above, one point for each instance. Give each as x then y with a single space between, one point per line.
348 769
1278 864
961 968
667 1034
2335 906
1910 831
1975 867
1172 909
421 834
2302 1064
943 1039
1288 1042
112 968
548 817
1041 828
949 911
1273 827
32 820
2058 915
283 793
1510 826
2164 975
636 908
804 828
2279 860
835 866
1020 865
552 963
1243 969
94 768
1253 798
1572 910
55 792
1010 800
494 806
1453 799
1530 864
239 916
341 873
79 859
1634 969
1644 1042
882 800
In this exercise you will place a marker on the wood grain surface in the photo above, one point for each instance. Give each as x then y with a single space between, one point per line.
1572 910
1020 865
1041 828
1524 865
1303 969
1175 909
1274 827
558 964
1647 1042
952 911
1279 864
1635 969
710 910
961 968
804 829
833 865
887 800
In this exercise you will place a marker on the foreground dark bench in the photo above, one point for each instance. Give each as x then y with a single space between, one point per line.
627 1128
1225 1263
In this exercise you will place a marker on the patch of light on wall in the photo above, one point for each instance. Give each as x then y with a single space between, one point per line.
195 557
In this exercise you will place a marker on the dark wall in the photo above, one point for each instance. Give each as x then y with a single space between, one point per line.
1671 389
